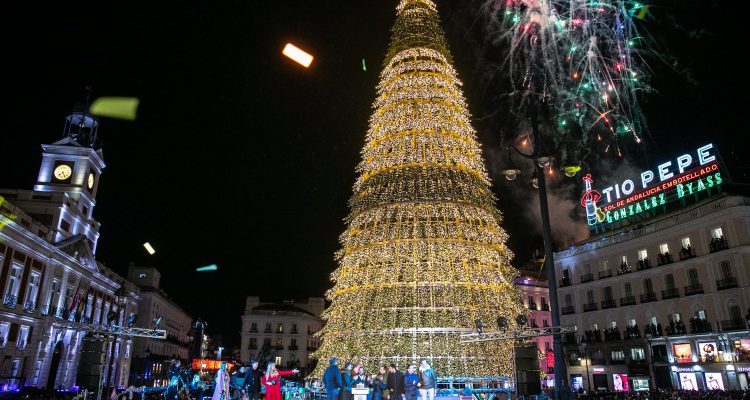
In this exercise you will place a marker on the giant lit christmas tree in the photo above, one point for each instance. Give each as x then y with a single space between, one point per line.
423 255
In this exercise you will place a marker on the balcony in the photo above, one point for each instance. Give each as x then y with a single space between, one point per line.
608 303
267 330
624 269
670 293
617 361
648 297
310 348
29 306
293 347
693 289
664 259
587 278
732 325
252 346
254 330
568 310
564 282
687 253
293 332
545 307
718 244
699 325
605 274
10 300
643 264
627 301
569 338
726 283
532 306
590 307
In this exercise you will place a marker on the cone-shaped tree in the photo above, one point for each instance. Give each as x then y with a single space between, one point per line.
423 255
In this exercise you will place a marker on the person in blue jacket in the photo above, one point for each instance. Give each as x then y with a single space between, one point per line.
346 377
332 379
410 383
378 387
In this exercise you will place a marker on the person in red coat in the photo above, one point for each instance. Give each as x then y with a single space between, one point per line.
272 381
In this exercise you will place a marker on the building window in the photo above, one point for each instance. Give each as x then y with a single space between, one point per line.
590 296
663 248
648 286
545 307
613 324
587 268
628 289
674 317
280 328
637 354
568 300
625 260
532 304
294 328
31 292
37 371
631 323
4 330
254 327
605 265
735 313
268 328
545 323
266 341
617 355
717 233
278 360
14 283
701 314
279 343
642 254
294 342
607 292
64 225
686 242
23 337
693 277
669 281
726 269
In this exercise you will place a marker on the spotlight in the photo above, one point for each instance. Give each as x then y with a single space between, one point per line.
521 320
131 319
543 161
534 181
502 323
479 326
157 321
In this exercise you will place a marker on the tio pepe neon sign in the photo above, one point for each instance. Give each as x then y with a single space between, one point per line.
680 179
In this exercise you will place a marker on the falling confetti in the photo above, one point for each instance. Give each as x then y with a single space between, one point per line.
115 107
212 267
300 56
149 248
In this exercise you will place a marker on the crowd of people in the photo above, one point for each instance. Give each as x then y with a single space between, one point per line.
674 394
388 384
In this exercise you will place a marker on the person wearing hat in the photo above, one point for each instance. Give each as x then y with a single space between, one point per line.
252 381
332 379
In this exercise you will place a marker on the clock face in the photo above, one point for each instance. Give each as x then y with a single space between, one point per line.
62 172
91 180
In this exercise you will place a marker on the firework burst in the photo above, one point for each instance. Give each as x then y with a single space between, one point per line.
582 59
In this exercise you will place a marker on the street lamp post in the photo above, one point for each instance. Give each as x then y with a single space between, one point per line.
586 360
542 160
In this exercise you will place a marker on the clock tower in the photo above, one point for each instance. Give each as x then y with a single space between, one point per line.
70 172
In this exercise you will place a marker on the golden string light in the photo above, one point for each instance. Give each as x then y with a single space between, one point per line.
423 254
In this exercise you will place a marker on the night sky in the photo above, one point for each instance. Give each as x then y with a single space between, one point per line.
241 158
